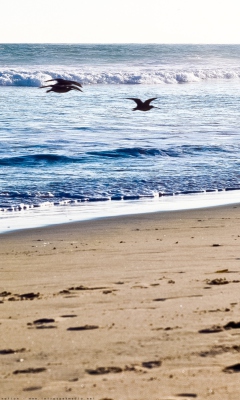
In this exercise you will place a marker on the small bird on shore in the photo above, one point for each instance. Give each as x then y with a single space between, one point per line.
60 88
142 106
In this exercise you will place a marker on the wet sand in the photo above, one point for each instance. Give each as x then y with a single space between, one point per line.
135 307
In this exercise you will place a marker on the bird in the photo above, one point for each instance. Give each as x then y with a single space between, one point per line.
57 88
142 106
62 85
66 82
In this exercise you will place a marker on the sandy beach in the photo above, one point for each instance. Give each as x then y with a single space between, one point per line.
134 307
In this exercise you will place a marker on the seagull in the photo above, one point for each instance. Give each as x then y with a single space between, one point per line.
60 88
67 82
142 106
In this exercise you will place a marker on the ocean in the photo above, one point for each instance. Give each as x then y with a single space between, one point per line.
77 156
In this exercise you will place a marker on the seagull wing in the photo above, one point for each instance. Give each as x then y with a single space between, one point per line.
66 87
67 82
41 87
72 83
50 80
147 102
138 101
74 88
76 83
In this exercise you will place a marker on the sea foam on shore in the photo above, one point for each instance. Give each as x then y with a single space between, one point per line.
51 215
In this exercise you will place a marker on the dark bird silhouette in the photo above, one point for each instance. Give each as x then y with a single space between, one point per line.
142 106
66 82
57 88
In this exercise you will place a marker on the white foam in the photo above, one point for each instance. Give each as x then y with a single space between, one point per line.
48 215
36 78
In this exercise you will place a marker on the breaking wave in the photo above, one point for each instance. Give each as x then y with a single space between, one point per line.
35 78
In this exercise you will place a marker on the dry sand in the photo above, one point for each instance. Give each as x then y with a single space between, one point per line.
137 307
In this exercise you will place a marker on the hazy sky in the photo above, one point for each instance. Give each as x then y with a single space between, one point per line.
120 21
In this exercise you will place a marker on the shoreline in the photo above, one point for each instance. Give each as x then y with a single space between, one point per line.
123 307
54 215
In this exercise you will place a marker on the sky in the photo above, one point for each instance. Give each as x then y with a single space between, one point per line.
120 21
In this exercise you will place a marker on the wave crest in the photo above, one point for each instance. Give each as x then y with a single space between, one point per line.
122 152
35 78
34 159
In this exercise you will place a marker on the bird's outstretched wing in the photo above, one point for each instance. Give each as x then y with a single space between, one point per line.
138 101
74 88
67 82
58 88
42 87
147 102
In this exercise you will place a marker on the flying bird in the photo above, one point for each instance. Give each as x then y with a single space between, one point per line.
142 105
57 88
62 85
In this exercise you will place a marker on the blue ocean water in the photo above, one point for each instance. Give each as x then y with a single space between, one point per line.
89 146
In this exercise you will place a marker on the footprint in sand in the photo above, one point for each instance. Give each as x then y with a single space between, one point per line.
232 368
104 370
83 328
213 329
151 364
217 281
41 323
29 296
232 325
29 371
108 370
11 351
32 388
218 328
